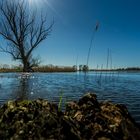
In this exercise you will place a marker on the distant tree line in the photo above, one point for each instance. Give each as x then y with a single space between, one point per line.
54 68
129 69
41 68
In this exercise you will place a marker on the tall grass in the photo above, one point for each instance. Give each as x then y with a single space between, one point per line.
60 101
91 42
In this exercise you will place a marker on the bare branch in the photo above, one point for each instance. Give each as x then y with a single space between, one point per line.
22 30
11 52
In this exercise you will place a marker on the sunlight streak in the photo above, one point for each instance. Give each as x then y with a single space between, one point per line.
44 4
38 3
33 2
48 4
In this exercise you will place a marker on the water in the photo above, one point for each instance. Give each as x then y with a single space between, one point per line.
116 87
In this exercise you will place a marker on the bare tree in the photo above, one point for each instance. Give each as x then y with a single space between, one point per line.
22 30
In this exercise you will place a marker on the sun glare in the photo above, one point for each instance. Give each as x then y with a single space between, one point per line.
41 4
37 3
31 2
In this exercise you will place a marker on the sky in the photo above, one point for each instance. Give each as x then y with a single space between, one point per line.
75 21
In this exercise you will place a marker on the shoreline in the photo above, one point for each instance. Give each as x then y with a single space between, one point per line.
119 71
81 120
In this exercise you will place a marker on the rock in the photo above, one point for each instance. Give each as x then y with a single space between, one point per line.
86 119
103 120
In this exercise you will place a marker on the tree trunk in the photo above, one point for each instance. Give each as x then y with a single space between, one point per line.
26 66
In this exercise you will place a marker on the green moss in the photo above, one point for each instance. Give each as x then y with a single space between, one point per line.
24 103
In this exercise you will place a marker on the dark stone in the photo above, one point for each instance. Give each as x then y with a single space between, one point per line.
84 120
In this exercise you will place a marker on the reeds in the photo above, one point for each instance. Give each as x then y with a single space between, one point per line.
91 42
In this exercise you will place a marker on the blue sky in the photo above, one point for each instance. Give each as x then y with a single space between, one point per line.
75 20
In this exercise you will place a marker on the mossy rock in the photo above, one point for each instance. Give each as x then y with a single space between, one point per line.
86 119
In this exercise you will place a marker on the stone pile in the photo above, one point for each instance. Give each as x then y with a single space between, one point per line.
86 119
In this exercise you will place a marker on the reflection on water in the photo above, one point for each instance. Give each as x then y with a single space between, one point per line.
22 92
117 87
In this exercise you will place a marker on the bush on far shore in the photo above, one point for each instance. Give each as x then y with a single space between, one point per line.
47 68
